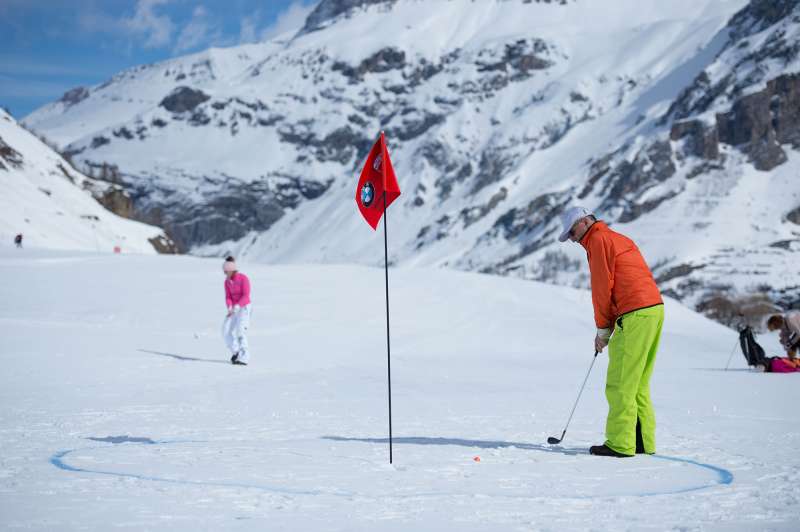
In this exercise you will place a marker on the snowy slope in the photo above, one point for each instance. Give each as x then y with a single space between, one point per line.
51 204
498 114
119 411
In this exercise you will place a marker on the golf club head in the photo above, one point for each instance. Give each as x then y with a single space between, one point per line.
552 440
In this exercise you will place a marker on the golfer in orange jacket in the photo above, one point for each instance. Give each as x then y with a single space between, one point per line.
629 314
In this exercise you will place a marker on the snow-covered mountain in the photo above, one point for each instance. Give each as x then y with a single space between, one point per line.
56 207
676 121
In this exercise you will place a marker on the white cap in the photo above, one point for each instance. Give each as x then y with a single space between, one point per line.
568 219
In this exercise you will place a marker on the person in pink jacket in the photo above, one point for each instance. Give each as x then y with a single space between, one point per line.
237 321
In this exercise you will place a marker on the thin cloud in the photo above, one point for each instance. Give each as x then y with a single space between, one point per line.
196 32
157 29
248 32
291 19
154 29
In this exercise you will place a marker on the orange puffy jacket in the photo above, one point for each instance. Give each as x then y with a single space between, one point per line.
621 280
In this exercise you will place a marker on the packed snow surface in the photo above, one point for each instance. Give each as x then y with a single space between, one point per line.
120 409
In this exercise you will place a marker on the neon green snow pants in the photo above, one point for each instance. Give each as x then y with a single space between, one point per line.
631 357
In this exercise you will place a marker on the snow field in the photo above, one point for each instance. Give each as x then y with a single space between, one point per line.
119 408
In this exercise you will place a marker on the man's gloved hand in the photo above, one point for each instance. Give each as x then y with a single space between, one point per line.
601 339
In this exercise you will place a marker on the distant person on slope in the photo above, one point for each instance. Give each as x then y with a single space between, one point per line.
629 314
789 326
18 240
237 321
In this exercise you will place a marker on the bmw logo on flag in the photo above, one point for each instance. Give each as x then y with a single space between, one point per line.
367 194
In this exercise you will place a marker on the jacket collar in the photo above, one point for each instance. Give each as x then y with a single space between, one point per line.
595 227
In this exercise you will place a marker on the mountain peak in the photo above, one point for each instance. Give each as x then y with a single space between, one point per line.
328 10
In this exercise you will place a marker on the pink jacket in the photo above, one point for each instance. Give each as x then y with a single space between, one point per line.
237 290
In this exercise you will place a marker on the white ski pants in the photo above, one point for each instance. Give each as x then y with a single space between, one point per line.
234 332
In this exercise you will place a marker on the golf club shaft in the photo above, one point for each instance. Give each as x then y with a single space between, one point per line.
579 395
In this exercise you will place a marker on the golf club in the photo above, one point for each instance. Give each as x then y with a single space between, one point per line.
552 440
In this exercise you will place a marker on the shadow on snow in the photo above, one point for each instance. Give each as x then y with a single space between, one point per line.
731 370
183 358
480 444
123 439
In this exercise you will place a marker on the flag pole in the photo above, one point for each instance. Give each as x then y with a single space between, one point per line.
388 345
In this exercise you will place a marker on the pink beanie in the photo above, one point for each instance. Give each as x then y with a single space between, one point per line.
229 266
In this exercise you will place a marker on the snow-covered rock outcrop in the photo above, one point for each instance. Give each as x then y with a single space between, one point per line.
54 206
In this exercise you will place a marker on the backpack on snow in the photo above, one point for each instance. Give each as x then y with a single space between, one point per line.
753 353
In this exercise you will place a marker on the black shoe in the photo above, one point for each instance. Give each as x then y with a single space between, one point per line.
235 358
602 450
238 362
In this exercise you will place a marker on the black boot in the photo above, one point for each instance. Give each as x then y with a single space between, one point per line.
235 358
602 450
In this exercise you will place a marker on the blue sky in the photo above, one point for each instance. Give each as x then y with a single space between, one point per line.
50 46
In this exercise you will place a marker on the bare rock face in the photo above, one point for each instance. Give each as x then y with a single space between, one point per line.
493 165
231 215
759 15
74 96
533 228
627 181
329 9
794 216
536 215
756 17
342 145
520 58
116 200
381 61
165 245
111 195
759 123
8 154
700 140
183 99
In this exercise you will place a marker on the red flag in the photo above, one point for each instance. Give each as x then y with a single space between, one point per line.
377 178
